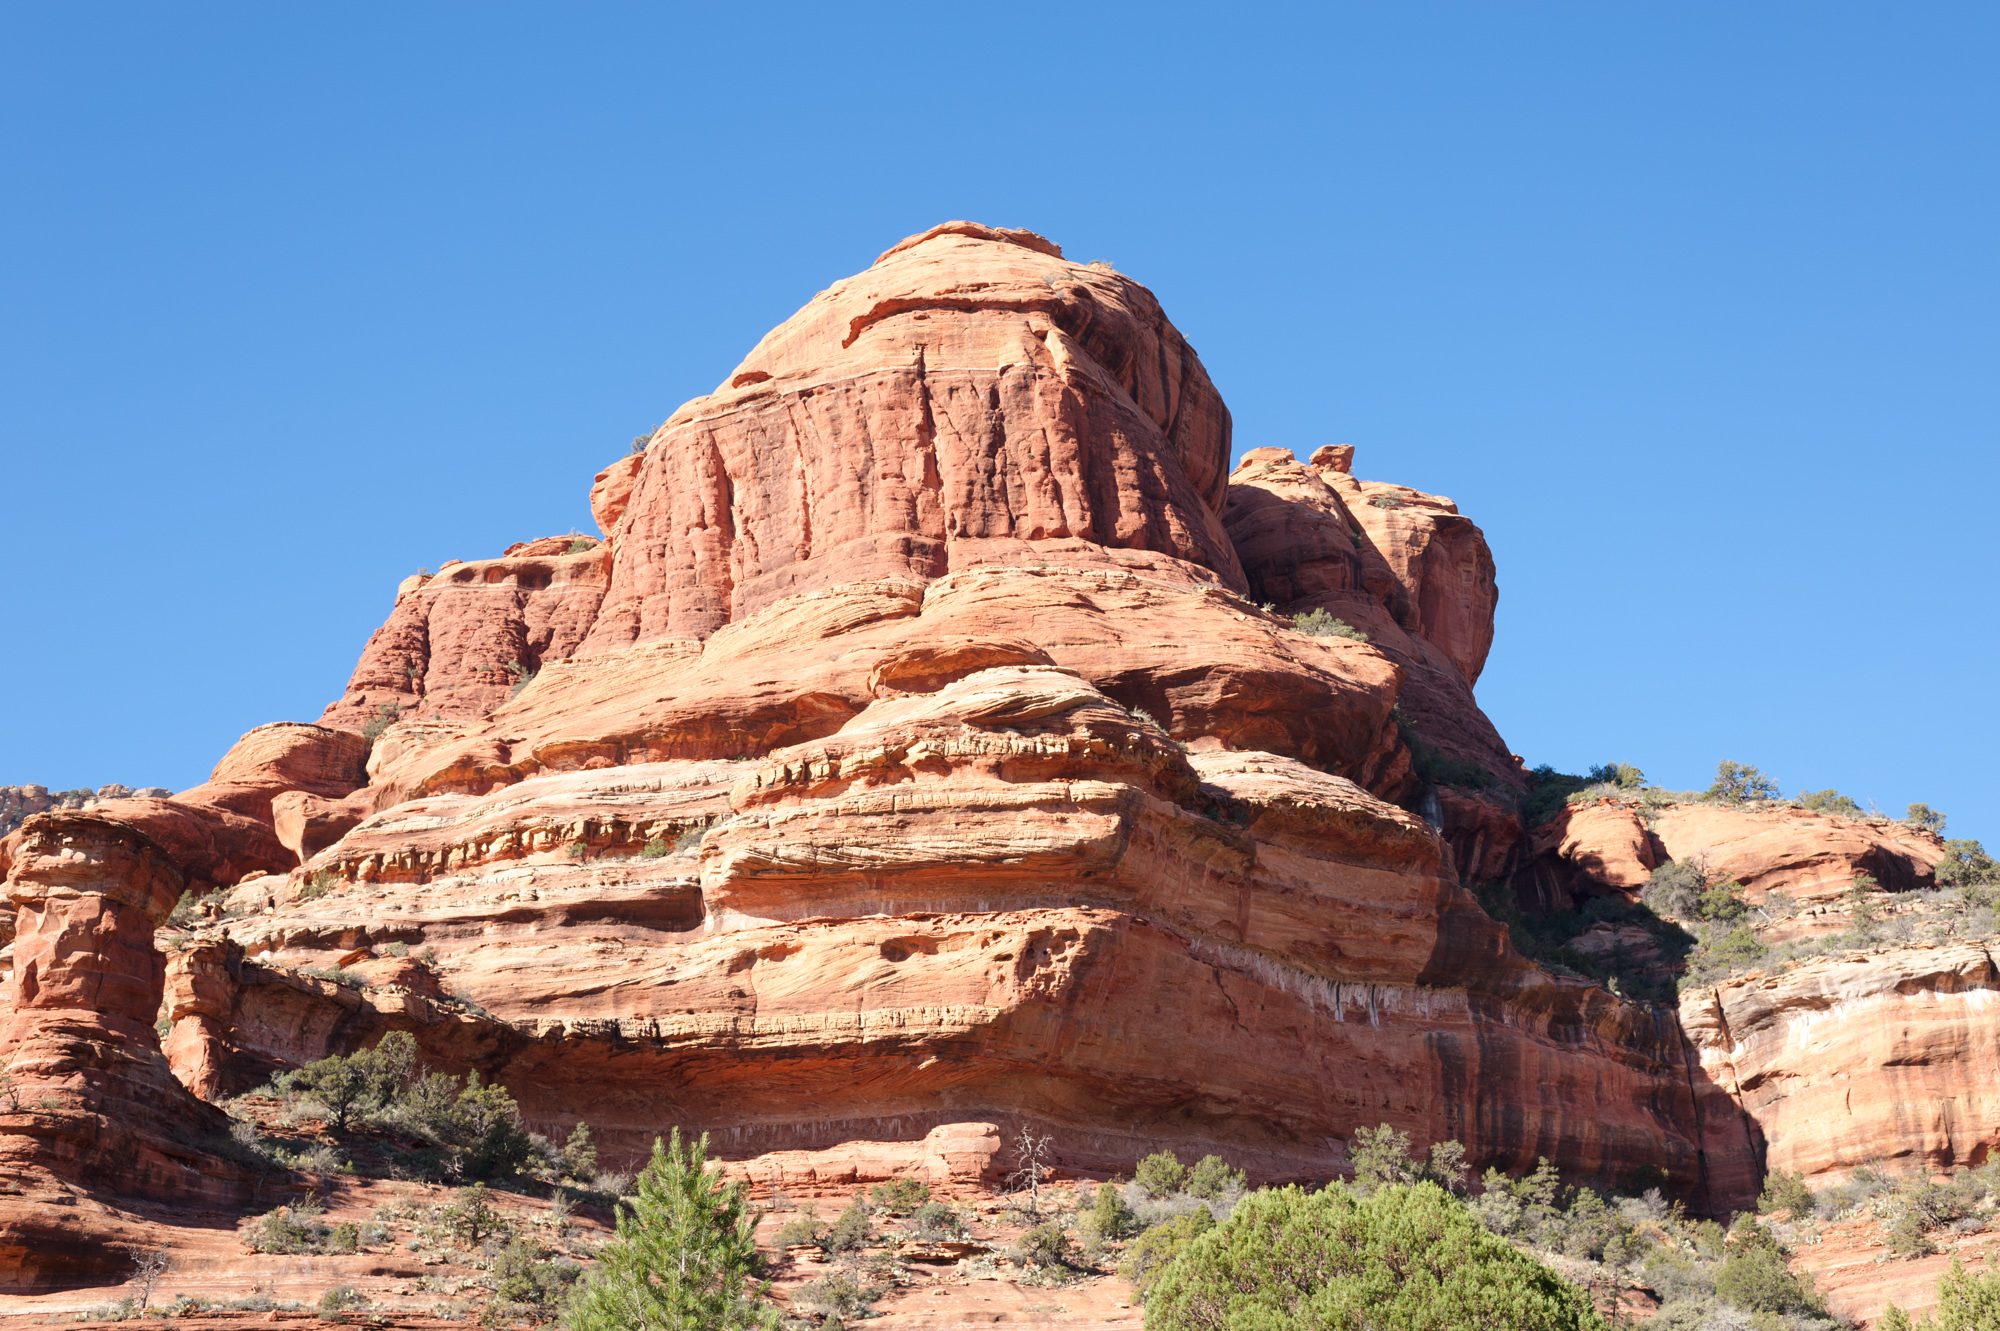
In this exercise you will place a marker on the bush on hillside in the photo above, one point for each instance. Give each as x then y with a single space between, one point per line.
1160 1174
1829 802
1738 783
1966 1302
1109 1217
1406 1255
1212 1178
355 1086
1151 1252
1924 816
1320 624
1754 1277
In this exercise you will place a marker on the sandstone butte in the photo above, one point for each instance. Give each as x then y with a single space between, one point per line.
926 750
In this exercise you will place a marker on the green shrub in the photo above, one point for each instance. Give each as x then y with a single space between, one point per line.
1675 889
358 1085
1966 864
1737 783
339 1299
1924 816
1046 1245
1622 775
803 1230
685 1254
1548 793
1160 1174
578 1157
1785 1190
1381 1156
471 1218
385 716
900 1196
1110 1218
836 1295
522 1274
317 884
1446 1166
290 1229
1753 1275
478 1128
339 975
937 1220
1829 802
1153 1250
1906 1237
1320 624
1965 1302
851 1230
1402 1256
1212 1177
1724 953
655 848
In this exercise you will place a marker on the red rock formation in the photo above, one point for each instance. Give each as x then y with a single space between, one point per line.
1413 574
906 765
1880 1057
973 398
94 1103
18 802
1803 854
1598 846
1615 844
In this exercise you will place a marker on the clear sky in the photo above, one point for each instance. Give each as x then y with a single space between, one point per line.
1694 307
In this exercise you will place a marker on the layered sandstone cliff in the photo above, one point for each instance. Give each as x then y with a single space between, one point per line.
926 750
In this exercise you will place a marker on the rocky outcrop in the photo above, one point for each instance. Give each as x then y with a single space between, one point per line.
971 905
1405 567
1615 844
973 398
92 1102
18 802
1414 575
1881 1057
460 641
914 760
1805 855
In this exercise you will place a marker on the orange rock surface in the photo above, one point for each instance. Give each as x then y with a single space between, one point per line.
1880 1057
915 760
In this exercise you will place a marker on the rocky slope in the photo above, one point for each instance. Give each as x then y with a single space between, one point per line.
18 802
926 751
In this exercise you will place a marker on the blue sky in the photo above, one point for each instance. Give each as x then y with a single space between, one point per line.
1692 307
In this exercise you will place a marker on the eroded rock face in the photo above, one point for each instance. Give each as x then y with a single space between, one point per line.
18 802
912 762
92 1100
973 904
972 398
1882 1057
1615 845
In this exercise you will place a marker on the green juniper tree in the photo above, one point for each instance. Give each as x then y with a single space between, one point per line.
685 1257
1404 1256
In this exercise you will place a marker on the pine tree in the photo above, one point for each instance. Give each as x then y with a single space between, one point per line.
684 1259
